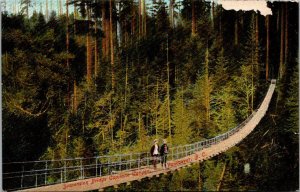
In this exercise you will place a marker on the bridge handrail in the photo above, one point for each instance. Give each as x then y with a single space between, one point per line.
110 163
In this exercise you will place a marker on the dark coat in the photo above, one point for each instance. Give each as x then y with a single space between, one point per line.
162 149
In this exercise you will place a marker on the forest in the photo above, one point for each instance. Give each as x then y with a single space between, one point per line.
110 76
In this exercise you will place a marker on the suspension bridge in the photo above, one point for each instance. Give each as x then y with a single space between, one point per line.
97 173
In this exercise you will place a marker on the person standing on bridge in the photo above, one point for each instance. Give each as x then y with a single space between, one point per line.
164 149
154 152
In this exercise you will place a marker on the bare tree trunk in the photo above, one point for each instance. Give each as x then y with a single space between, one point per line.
281 65
107 33
257 45
133 23
75 17
144 18
168 93
172 2
110 124
207 89
96 52
182 108
60 8
126 34
67 47
236 38
140 125
267 47
213 15
126 83
88 50
156 111
67 29
104 30
278 20
169 104
47 14
221 178
140 19
286 35
111 47
75 98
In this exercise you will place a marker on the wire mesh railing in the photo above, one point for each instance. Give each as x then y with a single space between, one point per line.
48 172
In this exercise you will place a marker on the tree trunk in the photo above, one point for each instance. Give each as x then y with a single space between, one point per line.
278 20
88 50
286 36
111 47
156 111
144 18
168 93
169 104
172 2
267 47
126 83
221 177
252 80
281 65
140 125
236 38
75 98
75 17
110 124
193 19
60 8
207 91
104 30
140 19
67 48
182 108
199 177
67 29
257 45
107 38
256 31
133 23
96 52
47 14
213 15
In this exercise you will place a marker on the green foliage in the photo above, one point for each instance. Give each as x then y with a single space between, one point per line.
211 175
292 103
244 90
210 87
223 112
182 120
198 107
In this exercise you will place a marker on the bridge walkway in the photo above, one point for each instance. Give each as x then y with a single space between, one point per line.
118 169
